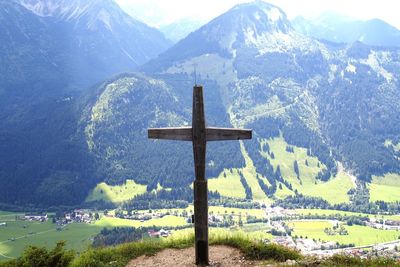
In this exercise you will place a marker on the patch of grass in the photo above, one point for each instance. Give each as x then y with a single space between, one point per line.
116 193
349 261
386 188
334 191
168 220
286 159
17 235
359 235
284 192
229 186
249 172
122 254
255 227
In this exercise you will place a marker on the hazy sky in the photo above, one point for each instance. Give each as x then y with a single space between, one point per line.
161 12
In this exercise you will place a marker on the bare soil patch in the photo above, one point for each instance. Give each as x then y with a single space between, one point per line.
220 256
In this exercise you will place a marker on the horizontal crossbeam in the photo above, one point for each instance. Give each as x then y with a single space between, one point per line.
212 134
220 134
178 133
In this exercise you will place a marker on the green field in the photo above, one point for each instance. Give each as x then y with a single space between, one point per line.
284 192
229 186
359 235
169 220
228 182
334 191
42 234
117 193
18 234
386 188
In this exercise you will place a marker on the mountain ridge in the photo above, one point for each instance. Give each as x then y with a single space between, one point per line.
310 103
337 28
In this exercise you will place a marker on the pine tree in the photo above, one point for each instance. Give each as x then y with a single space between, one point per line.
296 168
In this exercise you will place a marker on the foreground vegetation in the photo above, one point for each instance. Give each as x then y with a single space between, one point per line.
122 254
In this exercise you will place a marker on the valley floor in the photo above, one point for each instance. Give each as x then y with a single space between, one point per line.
311 230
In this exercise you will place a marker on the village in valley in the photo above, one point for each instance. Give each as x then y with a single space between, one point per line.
277 222
316 232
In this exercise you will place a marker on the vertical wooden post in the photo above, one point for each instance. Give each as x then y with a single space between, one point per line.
201 222
200 184
199 135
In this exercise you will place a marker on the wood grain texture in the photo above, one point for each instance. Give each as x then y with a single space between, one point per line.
178 133
220 134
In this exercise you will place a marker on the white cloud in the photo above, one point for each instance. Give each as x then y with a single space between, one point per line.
161 12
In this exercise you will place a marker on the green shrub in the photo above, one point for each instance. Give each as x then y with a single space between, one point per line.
42 257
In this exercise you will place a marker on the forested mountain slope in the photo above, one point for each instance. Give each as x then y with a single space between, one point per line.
50 52
321 112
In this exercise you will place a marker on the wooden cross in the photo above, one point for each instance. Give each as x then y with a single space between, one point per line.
199 134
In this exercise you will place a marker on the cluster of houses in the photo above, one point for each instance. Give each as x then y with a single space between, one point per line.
279 212
77 216
141 216
305 245
384 224
158 234
38 217
386 251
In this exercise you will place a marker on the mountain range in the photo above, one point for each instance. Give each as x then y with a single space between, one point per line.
336 104
337 28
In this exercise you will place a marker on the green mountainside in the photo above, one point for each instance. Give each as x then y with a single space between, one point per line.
325 120
49 60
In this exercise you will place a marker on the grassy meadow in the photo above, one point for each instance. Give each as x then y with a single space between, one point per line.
386 188
334 191
228 182
359 235
18 234
116 193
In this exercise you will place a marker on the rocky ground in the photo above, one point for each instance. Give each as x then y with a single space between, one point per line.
220 256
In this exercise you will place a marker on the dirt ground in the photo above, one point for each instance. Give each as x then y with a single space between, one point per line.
220 256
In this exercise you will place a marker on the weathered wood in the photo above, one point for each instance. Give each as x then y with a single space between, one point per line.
201 221
199 135
200 184
219 134
179 133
